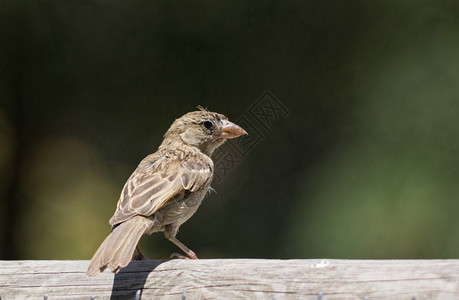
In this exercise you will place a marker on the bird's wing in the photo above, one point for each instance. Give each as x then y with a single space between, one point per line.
158 180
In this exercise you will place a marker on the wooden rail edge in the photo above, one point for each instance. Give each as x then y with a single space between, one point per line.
234 279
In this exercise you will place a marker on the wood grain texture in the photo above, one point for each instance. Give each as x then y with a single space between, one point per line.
235 279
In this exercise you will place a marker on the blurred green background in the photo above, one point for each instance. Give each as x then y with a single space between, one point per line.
365 165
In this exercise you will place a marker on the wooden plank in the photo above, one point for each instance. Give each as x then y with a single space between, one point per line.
235 278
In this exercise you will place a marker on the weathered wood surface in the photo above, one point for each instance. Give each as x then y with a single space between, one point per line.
235 278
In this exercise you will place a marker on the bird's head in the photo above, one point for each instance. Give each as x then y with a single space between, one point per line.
202 129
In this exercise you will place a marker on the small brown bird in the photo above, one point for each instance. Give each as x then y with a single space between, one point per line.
166 189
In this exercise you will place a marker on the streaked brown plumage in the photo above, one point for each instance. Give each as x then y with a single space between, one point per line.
166 189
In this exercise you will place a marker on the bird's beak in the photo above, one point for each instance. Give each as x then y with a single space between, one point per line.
231 130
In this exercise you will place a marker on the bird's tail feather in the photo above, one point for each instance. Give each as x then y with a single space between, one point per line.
117 249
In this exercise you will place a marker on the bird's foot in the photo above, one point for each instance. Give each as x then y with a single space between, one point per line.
139 255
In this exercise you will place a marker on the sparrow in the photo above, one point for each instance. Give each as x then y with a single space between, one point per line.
166 189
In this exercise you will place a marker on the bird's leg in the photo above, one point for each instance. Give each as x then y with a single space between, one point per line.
189 253
170 233
139 255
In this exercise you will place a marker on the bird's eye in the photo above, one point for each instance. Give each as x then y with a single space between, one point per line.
208 124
